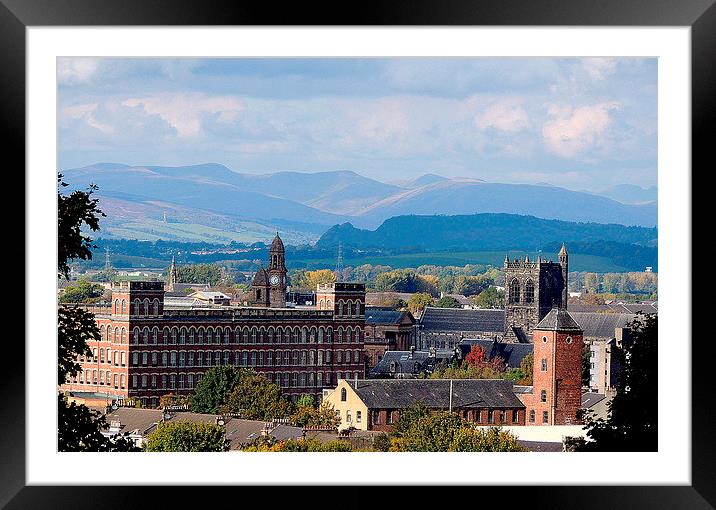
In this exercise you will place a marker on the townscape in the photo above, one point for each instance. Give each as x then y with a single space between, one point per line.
395 254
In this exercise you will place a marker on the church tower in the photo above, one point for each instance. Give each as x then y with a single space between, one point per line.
532 289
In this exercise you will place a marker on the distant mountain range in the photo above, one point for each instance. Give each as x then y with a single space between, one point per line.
631 194
213 203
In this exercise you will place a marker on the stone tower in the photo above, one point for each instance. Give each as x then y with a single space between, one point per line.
532 289
277 273
557 375
269 285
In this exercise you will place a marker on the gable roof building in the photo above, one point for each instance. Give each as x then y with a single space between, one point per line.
446 327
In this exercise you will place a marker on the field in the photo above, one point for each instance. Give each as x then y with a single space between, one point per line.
577 262
153 230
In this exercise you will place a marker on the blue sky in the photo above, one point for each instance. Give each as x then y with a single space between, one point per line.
579 123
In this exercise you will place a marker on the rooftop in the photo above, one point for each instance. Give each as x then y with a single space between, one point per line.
558 319
461 319
435 393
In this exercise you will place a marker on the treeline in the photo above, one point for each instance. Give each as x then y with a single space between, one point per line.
615 283
469 280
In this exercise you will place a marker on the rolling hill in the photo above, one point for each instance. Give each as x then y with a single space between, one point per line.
216 204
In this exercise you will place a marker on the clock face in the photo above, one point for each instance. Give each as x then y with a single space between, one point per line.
274 280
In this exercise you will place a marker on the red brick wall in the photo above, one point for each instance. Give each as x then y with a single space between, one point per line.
470 415
561 382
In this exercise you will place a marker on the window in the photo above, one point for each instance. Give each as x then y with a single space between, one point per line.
122 382
269 358
514 291
182 360
478 416
302 378
375 417
389 417
544 364
172 381
253 359
545 416
190 361
190 381
173 359
544 339
303 358
349 419
145 358
135 359
122 359
529 292
569 339
490 416
144 381
532 415
543 395
515 416
502 416
344 394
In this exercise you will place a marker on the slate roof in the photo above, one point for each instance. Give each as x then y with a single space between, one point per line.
277 243
378 316
558 319
261 277
460 319
131 419
541 446
435 393
407 364
601 325
511 353
589 399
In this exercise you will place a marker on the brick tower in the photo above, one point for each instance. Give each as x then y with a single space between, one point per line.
532 289
557 376
277 273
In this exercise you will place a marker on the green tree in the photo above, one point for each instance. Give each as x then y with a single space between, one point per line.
309 416
448 302
408 416
381 442
255 398
469 439
433 433
419 301
78 427
187 437
76 212
631 423
586 364
490 298
83 291
527 369
213 390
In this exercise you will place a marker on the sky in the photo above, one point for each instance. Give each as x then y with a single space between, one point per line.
580 123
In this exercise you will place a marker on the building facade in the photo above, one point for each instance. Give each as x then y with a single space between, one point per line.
532 289
386 330
150 345
556 393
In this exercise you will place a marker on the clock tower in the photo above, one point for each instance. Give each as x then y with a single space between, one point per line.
277 273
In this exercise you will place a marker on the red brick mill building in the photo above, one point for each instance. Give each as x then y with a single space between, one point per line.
152 344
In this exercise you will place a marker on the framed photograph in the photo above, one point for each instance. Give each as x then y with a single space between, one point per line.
273 148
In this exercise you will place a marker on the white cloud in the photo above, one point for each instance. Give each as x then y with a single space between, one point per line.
507 116
76 70
572 132
187 112
599 68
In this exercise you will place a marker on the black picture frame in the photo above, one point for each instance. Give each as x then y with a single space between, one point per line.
700 15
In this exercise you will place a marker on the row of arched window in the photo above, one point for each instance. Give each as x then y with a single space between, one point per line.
187 381
237 358
527 296
351 308
218 335
138 307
